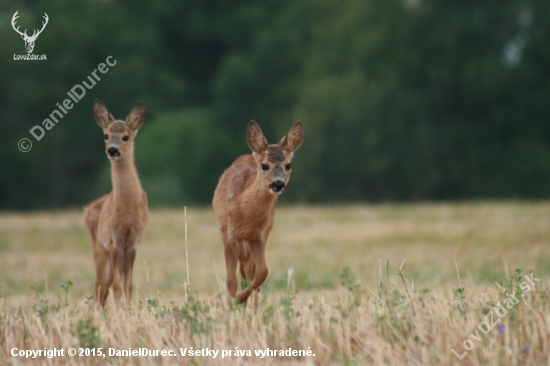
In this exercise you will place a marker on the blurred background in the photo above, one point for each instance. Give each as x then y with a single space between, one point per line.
402 100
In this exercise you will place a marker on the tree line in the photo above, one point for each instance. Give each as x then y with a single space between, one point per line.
400 100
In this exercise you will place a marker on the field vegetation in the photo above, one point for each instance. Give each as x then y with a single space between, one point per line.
333 288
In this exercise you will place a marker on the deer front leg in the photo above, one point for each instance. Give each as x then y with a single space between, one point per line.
245 280
256 293
231 266
129 259
117 259
260 273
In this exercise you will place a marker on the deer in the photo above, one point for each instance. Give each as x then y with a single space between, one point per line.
116 221
244 205
29 41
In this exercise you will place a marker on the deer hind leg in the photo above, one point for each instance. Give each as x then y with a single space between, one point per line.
104 275
258 269
103 265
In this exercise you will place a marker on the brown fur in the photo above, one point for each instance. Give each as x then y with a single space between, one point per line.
116 221
245 207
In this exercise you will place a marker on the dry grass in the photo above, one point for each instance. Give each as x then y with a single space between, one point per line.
342 258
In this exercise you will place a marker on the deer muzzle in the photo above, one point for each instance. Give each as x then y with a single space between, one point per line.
113 152
277 186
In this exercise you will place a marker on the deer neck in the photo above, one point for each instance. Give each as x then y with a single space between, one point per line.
258 201
126 187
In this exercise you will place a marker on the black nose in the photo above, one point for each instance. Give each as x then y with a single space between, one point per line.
278 186
113 151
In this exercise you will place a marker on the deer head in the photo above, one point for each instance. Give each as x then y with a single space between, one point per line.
119 135
273 161
29 41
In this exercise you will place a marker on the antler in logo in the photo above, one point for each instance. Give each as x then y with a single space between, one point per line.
29 41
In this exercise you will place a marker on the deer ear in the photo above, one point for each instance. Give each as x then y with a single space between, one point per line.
255 138
293 139
102 115
136 117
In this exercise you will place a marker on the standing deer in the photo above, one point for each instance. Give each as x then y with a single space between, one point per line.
29 40
116 221
244 203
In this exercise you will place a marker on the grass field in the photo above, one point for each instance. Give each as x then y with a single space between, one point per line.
333 288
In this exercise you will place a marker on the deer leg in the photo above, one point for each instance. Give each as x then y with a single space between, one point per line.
231 266
256 300
106 283
249 273
103 275
260 269
244 278
244 281
117 260
128 269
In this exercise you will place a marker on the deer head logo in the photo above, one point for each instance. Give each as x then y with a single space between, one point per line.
29 41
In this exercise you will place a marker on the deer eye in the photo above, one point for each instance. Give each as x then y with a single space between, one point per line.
106 137
125 138
265 167
287 167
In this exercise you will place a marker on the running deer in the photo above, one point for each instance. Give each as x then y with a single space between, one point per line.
244 203
116 221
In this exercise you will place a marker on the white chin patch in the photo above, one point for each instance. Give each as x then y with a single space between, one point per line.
273 192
